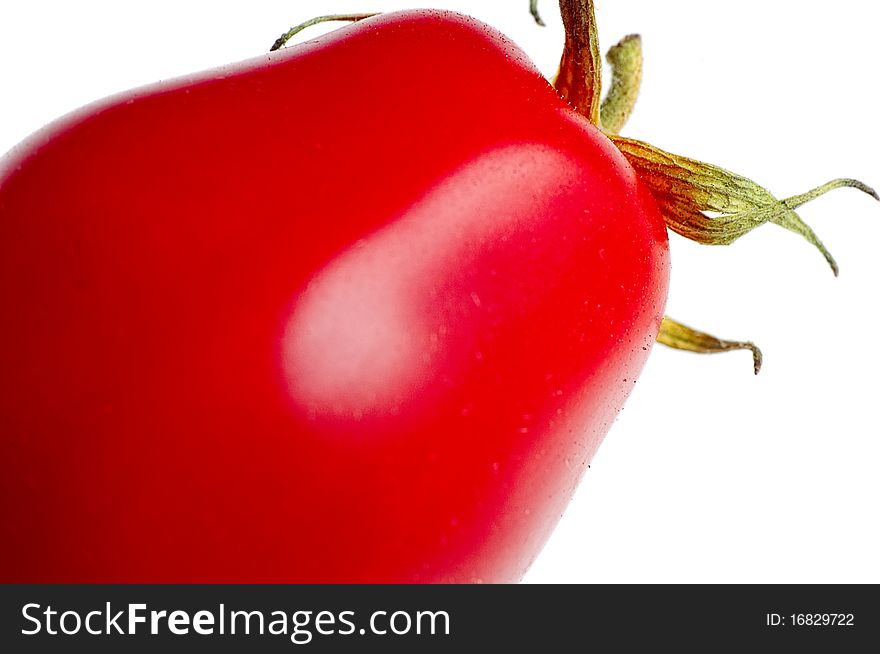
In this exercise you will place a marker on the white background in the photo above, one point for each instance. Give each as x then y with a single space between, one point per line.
709 474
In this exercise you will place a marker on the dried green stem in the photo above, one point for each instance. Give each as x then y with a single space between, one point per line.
293 31
533 8
699 201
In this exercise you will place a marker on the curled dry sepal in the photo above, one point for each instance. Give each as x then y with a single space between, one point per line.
685 189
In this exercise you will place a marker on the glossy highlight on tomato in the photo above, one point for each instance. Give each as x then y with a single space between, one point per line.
320 316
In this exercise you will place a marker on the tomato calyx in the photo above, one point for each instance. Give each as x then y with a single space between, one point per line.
700 201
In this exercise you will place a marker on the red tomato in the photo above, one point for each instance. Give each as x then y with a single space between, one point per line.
321 316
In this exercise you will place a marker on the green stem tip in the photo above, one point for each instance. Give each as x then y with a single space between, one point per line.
533 9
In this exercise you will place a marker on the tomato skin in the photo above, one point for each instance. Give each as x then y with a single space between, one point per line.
358 311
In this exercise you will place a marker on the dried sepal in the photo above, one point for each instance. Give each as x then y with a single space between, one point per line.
681 337
579 80
714 206
625 59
